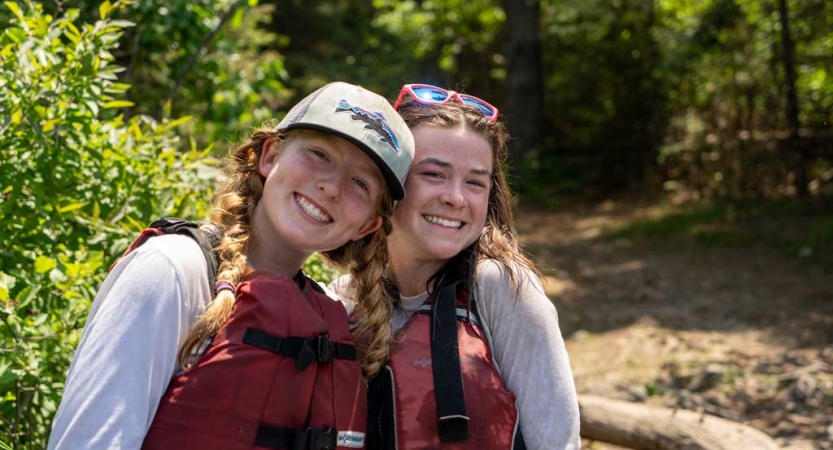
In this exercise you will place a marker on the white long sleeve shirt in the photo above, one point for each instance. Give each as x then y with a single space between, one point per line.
521 325
127 354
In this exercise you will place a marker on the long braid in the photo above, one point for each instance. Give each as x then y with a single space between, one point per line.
367 262
234 207
376 308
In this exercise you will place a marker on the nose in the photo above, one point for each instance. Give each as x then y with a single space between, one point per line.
453 196
330 186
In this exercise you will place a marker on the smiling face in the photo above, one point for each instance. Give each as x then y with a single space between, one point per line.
320 193
447 196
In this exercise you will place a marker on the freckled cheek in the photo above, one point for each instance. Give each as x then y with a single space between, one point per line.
358 201
481 209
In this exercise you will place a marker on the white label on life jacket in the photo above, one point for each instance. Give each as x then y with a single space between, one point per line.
350 439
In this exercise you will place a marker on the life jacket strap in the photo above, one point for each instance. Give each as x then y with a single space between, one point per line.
304 350
452 420
207 237
313 438
463 315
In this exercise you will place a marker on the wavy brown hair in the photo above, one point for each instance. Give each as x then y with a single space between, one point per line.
498 240
234 205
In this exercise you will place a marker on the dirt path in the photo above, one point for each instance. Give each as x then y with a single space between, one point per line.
744 332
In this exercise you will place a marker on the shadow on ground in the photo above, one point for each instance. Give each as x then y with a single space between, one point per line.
601 283
742 330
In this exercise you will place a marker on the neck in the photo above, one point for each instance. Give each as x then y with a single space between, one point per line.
274 262
269 253
411 274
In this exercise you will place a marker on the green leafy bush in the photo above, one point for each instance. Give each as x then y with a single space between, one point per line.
78 181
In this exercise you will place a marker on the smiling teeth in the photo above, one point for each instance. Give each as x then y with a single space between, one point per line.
310 209
443 222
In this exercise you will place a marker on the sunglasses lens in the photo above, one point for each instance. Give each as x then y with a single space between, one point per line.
486 109
429 93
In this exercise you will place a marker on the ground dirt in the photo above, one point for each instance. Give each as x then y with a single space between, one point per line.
744 332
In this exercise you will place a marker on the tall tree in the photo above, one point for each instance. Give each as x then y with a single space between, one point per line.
788 58
524 81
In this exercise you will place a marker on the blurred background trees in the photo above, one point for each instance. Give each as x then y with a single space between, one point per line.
111 113
689 96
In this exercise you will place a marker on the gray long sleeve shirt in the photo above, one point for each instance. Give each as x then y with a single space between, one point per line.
521 325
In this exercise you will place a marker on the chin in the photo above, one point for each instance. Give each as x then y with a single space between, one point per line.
446 254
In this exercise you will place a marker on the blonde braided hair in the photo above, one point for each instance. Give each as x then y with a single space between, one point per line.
367 265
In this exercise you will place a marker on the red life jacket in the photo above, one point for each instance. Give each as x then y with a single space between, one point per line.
281 373
425 399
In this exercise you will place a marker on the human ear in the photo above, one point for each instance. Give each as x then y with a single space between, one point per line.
268 156
371 226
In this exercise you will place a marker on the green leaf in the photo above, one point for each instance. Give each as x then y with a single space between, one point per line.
6 284
118 104
15 10
50 124
104 9
237 19
73 37
16 34
28 294
72 29
136 225
117 87
122 23
7 377
72 207
252 3
93 106
44 264
179 121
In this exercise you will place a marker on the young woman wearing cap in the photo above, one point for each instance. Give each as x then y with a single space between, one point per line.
474 348
267 362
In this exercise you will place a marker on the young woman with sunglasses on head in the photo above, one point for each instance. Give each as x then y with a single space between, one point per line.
267 361
474 347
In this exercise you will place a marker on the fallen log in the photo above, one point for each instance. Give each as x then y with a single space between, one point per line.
643 427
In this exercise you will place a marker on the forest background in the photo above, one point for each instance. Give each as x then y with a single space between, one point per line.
114 113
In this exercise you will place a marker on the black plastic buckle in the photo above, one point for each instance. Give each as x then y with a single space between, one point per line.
325 349
306 355
319 348
453 428
314 439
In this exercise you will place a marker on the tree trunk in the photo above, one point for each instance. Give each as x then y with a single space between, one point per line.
524 81
192 59
795 147
643 427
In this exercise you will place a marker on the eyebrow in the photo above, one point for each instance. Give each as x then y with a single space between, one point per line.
447 165
369 174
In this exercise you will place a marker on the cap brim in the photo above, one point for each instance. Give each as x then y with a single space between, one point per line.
397 191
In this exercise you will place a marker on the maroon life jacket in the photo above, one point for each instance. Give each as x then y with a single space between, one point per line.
281 373
445 392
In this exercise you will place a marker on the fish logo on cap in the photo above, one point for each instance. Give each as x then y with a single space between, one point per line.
374 121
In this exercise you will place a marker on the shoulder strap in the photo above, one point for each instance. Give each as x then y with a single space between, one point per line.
448 379
452 421
207 238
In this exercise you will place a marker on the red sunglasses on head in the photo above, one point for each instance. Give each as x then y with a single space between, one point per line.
433 95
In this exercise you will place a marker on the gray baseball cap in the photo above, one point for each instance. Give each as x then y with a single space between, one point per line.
363 118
